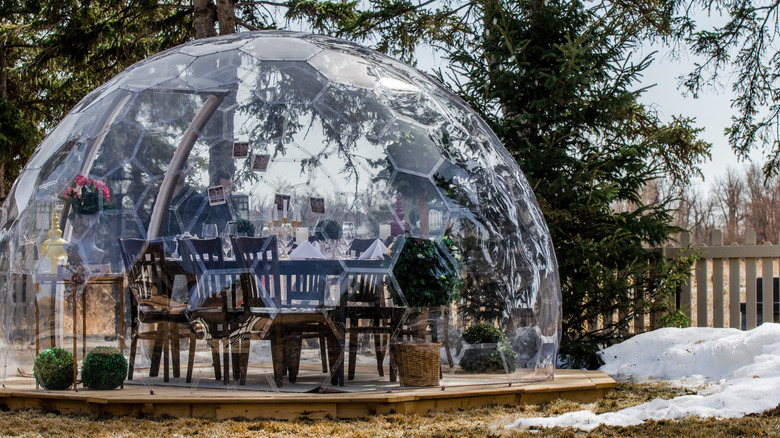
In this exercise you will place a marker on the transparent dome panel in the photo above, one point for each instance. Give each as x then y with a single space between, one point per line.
300 213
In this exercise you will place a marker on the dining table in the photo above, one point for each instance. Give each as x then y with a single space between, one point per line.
290 315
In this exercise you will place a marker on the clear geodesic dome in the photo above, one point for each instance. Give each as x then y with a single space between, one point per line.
393 233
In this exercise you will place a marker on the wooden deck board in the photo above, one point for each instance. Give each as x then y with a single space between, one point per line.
577 385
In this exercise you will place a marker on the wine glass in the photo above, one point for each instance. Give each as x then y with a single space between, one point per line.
227 245
285 239
209 231
230 229
347 236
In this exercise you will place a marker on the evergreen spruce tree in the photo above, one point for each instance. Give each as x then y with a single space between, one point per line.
558 84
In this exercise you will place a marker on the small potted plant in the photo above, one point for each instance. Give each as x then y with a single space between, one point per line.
427 272
104 368
428 277
53 369
245 228
488 350
330 231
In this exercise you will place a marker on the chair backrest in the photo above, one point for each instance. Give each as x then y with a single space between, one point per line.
258 258
144 264
202 254
368 289
360 246
204 259
131 251
305 282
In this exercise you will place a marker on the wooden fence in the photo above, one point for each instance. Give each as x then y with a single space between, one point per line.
722 289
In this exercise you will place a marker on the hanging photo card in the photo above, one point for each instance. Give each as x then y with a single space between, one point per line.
260 163
317 205
240 149
216 195
279 201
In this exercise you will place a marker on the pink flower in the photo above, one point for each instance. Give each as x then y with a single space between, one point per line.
82 180
70 191
101 188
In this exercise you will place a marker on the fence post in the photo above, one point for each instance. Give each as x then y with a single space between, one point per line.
750 282
767 288
685 289
735 320
701 292
718 313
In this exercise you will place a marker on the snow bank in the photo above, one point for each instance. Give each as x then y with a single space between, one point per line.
739 372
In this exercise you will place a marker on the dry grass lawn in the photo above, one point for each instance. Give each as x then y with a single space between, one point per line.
475 423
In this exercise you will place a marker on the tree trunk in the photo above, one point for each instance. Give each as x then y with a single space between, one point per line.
226 16
2 181
203 18
422 210
3 72
3 96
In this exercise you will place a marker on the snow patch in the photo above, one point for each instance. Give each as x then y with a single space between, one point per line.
737 372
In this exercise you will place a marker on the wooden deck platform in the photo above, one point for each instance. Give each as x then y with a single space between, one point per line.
135 400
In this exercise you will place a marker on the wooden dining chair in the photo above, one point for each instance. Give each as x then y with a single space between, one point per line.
258 260
294 294
305 286
213 309
368 312
151 287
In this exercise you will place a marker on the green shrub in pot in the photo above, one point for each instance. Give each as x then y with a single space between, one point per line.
245 227
427 272
53 369
481 358
104 368
328 229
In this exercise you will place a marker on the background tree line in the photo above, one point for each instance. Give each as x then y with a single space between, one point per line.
558 81
741 199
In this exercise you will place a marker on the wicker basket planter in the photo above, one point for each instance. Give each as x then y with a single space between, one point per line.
419 364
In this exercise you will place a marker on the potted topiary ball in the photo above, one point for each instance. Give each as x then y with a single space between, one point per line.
53 369
487 345
104 368
245 228
428 275
328 229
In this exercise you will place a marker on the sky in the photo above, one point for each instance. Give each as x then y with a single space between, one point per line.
712 110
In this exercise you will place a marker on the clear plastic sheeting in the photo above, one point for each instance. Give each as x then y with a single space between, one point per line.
283 212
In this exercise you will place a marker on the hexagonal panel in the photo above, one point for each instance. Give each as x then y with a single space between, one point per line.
113 150
158 144
353 113
201 48
288 82
155 72
345 69
223 69
411 150
281 49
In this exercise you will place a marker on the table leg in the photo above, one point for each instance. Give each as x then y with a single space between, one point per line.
84 323
336 355
122 321
53 317
75 338
37 325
